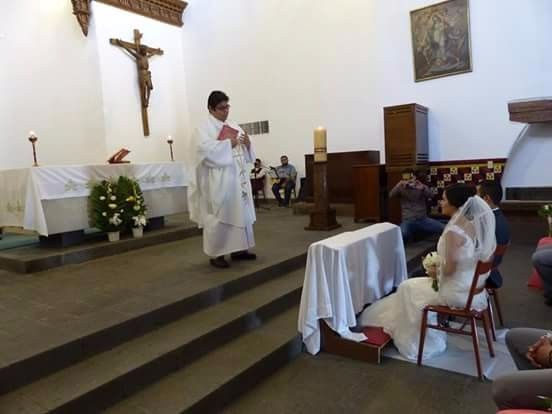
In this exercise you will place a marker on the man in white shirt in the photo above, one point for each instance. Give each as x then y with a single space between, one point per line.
219 195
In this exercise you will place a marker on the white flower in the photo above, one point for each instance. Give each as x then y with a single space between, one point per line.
102 198
431 260
122 211
112 206
136 207
113 198
139 221
104 214
115 220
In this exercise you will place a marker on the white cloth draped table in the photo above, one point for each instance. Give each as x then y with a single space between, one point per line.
22 191
346 272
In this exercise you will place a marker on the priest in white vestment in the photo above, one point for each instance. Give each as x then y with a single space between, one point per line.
219 196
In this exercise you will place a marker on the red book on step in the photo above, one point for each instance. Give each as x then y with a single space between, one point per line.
376 336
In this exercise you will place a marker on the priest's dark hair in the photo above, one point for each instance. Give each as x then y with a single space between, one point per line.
493 189
215 98
457 194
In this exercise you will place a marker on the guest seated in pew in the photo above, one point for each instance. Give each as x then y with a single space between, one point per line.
542 261
413 195
467 238
257 177
491 192
531 350
286 175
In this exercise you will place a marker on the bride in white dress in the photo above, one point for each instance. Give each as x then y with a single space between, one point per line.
468 237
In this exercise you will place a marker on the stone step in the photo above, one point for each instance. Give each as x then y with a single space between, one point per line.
211 382
31 259
28 366
106 378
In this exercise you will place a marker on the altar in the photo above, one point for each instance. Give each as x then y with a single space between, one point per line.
53 200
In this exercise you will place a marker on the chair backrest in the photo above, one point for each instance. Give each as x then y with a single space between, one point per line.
481 269
499 253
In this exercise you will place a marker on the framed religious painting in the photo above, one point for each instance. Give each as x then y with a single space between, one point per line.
441 40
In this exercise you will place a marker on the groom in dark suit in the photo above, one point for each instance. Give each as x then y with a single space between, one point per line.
491 192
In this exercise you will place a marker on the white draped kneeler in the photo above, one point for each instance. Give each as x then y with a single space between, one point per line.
343 274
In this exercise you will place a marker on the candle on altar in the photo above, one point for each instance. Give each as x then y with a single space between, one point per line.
170 142
33 138
320 154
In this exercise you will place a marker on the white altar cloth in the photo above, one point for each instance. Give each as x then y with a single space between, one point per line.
23 191
346 272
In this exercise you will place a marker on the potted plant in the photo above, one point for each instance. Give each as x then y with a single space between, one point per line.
106 212
134 205
546 212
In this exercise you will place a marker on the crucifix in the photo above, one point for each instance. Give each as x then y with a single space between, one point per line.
141 53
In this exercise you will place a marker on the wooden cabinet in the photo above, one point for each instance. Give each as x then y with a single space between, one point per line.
394 214
370 192
340 181
406 136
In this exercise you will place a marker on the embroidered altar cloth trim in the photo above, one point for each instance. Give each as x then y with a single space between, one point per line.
23 190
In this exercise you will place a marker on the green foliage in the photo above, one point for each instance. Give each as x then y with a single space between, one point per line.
133 202
545 210
117 205
105 209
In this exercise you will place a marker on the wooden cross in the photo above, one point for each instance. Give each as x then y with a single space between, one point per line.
141 53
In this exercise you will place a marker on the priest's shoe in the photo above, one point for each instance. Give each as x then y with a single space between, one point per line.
219 262
243 255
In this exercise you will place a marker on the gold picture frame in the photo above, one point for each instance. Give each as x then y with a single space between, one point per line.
441 41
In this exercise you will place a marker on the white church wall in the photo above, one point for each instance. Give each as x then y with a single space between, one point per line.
304 64
50 83
121 101
529 159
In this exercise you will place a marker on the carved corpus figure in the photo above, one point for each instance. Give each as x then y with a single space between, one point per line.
141 53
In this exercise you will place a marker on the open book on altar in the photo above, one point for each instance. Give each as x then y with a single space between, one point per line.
227 132
117 158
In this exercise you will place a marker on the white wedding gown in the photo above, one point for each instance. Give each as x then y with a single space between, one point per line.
400 314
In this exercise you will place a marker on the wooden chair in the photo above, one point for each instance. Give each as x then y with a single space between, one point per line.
493 294
258 189
470 315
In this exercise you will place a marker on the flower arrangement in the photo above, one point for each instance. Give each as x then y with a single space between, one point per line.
431 262
546 212
133 202
106 211
547 401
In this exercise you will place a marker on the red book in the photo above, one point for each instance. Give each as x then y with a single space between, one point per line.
376 336
227 132
117 158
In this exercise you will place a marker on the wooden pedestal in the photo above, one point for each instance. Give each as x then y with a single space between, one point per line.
323 220
322 217
362 351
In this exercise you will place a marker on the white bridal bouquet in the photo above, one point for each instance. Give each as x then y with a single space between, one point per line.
432 260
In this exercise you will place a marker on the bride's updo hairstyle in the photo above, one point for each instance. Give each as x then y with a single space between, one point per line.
458 194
